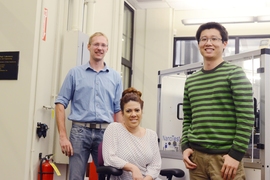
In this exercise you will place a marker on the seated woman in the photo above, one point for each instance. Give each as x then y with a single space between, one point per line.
129 146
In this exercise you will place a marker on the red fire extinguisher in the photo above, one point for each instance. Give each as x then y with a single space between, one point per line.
45 171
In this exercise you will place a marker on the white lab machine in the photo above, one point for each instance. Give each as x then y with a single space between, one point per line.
256 65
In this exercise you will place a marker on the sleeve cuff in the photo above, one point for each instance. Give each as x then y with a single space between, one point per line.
237 155
184 147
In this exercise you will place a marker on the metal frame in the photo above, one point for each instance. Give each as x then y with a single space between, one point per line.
264 54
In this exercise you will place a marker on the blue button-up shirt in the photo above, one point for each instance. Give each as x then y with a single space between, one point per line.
94 96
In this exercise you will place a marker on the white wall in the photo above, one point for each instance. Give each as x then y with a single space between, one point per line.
152 52
22 100
17 33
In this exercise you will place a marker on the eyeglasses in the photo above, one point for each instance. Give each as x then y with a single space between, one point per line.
213 40
102 45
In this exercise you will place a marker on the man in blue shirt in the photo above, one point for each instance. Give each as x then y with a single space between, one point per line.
94 91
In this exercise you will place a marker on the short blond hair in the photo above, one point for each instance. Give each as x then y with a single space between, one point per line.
96 34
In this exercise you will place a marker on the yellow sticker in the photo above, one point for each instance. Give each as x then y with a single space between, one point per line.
55 169
52 114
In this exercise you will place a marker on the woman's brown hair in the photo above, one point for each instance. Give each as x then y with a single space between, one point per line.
131 94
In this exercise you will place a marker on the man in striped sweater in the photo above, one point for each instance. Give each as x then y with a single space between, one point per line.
218 112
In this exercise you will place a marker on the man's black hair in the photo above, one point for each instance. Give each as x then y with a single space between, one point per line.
213 25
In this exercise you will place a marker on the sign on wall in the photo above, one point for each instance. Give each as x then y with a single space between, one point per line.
9 65
45 19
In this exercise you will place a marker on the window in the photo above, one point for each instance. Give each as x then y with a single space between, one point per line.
127 45
249 44
186 49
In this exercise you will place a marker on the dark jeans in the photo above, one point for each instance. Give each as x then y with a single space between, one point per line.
84 142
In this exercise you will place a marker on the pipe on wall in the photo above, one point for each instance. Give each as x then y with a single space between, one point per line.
76 14
89 22
117 32
38 31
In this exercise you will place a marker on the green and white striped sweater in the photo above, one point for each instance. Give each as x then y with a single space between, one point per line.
218 111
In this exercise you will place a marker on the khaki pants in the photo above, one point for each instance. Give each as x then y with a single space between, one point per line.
209 167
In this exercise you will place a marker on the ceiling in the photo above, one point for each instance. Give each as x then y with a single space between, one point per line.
198 4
